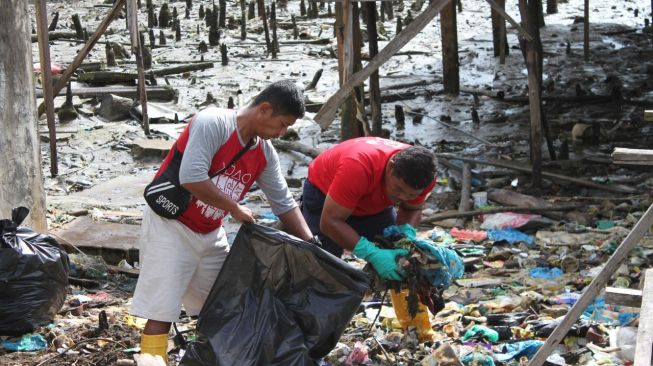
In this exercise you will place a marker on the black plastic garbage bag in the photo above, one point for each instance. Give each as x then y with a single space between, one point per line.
277 301
33 276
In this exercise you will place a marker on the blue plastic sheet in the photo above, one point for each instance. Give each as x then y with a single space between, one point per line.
478 359
452 267
546 273
510 235
27 343
517 350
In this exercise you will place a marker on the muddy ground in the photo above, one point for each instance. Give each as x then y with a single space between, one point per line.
98 169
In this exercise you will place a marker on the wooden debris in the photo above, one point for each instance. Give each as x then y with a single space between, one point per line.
623 156
151 147
114 108
623 296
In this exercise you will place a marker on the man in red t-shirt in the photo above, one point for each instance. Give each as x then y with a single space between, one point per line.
351 191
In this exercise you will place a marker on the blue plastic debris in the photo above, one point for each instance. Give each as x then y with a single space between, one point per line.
452 267
510 235
546 273
517 350
27 343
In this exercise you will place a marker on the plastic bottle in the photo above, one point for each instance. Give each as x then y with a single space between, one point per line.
421 320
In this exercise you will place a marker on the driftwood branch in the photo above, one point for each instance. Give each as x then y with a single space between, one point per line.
294 146
526 168
452 215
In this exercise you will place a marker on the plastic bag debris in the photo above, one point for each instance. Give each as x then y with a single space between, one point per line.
545 273
504 220
510 235
33 276
511 351
27 343
277 301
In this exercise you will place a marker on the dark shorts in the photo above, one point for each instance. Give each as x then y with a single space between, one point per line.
312 203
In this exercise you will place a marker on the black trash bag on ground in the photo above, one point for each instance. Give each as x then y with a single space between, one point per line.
33 276
277 301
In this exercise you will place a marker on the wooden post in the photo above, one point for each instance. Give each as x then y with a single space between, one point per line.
375 88
586 31
534 97
21 182
132 16
449 34
345 37
46 78
465 192
499 37
594 288
551 6
84 51
273 25
645 327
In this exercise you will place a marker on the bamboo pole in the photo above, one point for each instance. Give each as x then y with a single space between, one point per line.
132 16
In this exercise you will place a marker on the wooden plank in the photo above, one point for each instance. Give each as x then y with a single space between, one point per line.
328 111
648 115
623 296
621 153
163 93
645 328
594 288
83 232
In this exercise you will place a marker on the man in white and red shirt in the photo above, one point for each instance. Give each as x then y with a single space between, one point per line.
181 258
351 191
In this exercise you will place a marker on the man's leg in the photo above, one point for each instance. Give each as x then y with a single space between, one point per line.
312 204
371 226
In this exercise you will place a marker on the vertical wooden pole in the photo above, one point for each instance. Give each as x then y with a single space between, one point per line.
586 31
534 97
21 181
132 16
551 6
375 88
499 39
46 73
451 76
345 37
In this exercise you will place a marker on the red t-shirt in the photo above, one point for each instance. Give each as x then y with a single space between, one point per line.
352 174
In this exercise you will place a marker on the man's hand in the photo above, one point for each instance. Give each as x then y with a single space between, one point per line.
242 214
383 260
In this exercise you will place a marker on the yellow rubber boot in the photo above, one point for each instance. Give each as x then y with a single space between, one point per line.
155 344
421 320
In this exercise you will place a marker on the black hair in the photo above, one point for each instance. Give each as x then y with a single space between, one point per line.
285 97
416 165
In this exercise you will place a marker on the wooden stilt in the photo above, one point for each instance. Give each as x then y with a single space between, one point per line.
499 36
534 97
449 34
551 6
46 73
132 16
375 88
586 31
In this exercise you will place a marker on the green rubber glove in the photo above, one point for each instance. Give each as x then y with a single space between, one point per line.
383 260
408 230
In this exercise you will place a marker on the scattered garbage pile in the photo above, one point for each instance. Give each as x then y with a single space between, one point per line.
523 273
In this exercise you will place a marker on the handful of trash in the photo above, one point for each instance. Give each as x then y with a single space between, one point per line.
429 269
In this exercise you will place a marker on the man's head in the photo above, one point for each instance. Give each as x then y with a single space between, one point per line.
278 106
408 173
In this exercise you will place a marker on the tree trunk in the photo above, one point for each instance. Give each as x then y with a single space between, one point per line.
21 183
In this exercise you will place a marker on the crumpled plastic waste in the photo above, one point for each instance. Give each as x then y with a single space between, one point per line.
545 273
510 235
358 355
478 359
442 237
609 314
515 350
483 332
568 298
503 220
451 266
473 235
27 343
